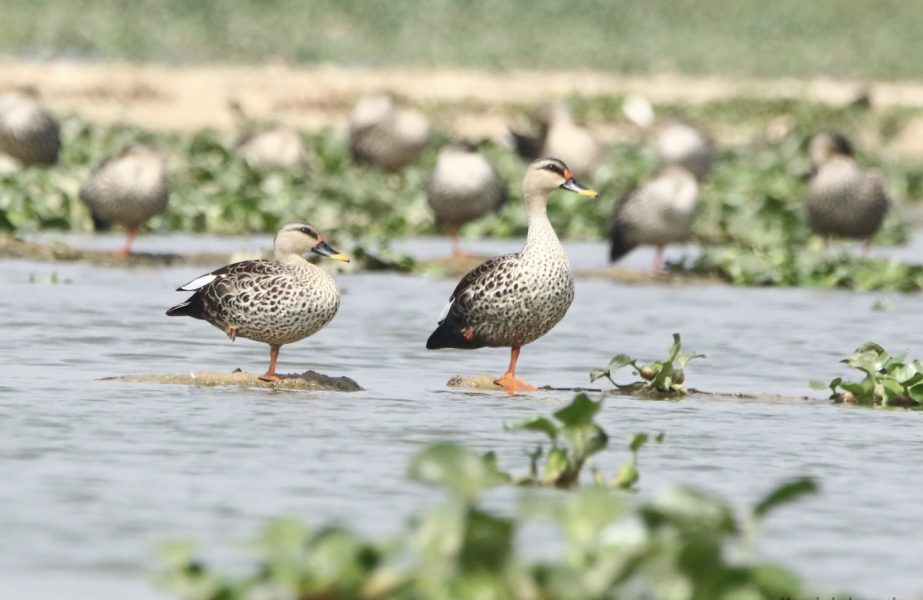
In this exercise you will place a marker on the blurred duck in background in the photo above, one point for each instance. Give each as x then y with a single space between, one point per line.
658 212
127 189
28 132
386 134
843 200
675 142
558 135
268 146
464 187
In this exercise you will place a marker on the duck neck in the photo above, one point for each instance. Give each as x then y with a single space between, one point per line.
541 233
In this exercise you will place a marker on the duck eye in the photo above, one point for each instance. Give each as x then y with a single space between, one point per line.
307 231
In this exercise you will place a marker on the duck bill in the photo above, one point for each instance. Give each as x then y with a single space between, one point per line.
573 186
324 249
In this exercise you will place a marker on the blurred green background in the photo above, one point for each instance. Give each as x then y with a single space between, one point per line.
866 39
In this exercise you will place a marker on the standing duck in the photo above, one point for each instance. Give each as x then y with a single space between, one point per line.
385 134
675 142
276 302
558 135
268 146
658 212
28 132
843 200
515 299
679 143
464 187
127 189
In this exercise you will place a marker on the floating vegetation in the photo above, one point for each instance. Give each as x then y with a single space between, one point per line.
889 380
787 266
575 437
684 543
661 378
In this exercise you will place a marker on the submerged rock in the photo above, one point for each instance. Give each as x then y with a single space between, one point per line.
482 381
309 380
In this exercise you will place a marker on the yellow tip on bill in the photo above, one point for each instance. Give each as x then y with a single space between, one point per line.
589 193
340 257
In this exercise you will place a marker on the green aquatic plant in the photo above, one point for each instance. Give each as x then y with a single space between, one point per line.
685 543
574 437
665 378
804 266
888 381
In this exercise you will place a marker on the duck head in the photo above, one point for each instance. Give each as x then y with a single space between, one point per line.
548 174
828 144
300 239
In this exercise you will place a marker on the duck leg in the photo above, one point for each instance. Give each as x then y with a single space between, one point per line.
658 260
125 252
457 252
508 380
270 374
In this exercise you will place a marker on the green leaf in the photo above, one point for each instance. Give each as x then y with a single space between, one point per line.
580 411
598 373
673 352
620 360
557 465
784 494
458 470
487 544
637 441
541 424
817 384
626 477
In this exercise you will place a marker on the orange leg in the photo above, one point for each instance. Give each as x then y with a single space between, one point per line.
508 380
457 252
231 331
270 374
657 267
125 252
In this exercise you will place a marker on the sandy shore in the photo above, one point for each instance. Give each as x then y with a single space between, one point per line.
190 97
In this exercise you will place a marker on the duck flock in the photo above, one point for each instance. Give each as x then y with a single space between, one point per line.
507 301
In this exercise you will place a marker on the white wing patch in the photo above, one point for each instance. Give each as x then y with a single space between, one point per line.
199 282
445 311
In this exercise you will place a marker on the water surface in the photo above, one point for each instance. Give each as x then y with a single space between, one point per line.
97 473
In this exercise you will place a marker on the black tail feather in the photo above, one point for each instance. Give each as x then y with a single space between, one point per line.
449 337
192 307
99 224
619 245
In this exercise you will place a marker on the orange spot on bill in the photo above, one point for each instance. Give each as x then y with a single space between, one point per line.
568 174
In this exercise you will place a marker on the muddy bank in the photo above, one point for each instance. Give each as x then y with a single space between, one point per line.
309 380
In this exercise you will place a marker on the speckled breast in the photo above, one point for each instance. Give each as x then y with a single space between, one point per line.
280 309
524 303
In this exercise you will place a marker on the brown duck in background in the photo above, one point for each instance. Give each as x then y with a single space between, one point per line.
512 300
269 146
559 136
386 134
28 132
676 143
658 212
276 301
127 189
464 187
843 200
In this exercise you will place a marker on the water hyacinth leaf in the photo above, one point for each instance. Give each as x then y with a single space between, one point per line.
817 384
487 543
541 424
598 373
626 477
785 493
916 392
638 440
673 352
580 411
556 466
456 469
620 360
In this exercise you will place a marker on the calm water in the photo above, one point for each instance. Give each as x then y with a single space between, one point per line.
97 473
